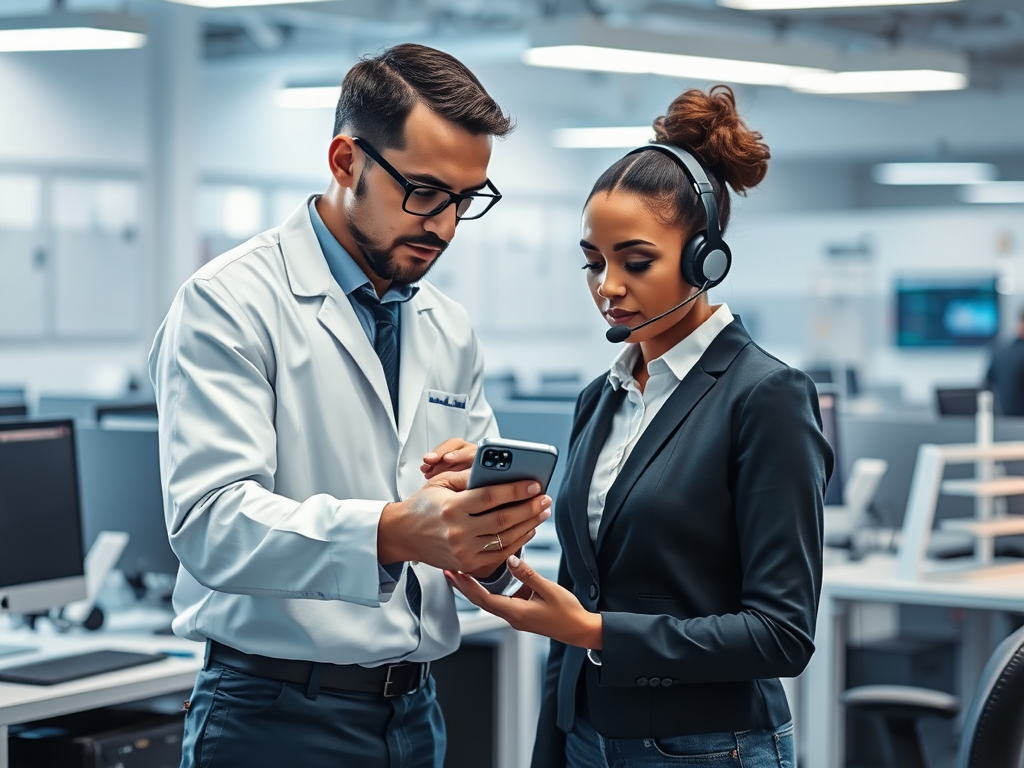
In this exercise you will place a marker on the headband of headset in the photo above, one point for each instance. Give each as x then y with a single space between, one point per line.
701 184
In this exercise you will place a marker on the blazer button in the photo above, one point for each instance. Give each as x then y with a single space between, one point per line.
666 682
654 682
593 591
641 681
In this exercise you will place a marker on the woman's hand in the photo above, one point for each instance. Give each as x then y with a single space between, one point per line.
541 606
452 455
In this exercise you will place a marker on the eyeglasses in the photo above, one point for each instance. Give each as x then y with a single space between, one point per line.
427 200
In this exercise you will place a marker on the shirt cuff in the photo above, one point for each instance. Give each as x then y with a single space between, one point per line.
388 576
499 581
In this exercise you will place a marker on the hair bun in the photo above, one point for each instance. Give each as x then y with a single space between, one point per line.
708 125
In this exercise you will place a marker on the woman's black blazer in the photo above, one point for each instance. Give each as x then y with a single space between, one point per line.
707 565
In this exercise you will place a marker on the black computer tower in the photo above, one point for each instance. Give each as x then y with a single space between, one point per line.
101 738
466 691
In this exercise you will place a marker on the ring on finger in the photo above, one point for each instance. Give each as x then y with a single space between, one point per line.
495 545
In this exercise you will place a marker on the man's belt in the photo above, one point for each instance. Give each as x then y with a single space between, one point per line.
388 680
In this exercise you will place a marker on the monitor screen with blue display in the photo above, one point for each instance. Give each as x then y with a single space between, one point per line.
946 312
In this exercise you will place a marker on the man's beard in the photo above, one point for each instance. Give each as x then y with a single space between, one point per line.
382 261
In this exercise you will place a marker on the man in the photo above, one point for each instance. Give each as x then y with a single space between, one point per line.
302 379
1006 375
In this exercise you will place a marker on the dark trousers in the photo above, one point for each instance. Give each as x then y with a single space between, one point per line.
235 719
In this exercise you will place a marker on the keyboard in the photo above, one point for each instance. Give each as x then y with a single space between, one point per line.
65 668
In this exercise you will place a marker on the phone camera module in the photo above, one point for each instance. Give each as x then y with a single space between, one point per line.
497 459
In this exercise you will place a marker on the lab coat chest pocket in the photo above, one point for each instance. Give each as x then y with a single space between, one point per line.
446 415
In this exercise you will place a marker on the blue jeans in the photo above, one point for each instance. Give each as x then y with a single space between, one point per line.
235 720
586 748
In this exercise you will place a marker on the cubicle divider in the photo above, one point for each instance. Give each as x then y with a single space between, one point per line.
897 438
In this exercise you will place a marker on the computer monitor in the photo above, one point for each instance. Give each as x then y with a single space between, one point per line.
540 422
13 410
141 413
543 422
943 311
830 428
121 491
41 549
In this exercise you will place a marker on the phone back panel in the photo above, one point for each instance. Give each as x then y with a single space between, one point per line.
528 463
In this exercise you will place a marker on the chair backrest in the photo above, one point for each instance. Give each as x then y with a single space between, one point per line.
993 735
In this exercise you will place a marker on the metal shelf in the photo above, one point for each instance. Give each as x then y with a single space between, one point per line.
999 486
1000 526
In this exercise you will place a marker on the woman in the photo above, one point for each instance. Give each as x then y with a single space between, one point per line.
690 515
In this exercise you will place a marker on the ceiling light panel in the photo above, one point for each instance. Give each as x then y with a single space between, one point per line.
602 138
933 173
994 193
308 97
880 81
71 32
791 5
597 59
796 63
239 3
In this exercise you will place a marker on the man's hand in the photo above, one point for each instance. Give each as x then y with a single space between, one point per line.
541 606
452 455
447 526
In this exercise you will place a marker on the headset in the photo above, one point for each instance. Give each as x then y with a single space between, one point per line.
706 258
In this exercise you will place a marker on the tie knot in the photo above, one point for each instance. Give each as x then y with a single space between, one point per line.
382 313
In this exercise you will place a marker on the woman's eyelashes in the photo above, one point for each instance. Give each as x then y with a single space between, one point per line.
630 266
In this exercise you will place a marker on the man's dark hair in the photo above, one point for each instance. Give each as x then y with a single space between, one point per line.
380 91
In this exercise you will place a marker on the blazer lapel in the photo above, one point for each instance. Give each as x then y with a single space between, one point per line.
418 341
581 470
715 360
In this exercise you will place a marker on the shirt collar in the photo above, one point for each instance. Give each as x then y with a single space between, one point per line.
678 360
344 269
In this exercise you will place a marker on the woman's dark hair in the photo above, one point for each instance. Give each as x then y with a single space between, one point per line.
380 91
708 126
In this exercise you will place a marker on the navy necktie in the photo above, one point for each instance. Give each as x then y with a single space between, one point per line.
385 344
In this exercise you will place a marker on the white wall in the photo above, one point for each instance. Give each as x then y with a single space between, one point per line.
79 112
517 271
781 262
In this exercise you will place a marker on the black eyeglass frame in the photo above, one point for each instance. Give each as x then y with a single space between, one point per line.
411 187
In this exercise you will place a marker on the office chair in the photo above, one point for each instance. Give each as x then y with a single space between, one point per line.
993 735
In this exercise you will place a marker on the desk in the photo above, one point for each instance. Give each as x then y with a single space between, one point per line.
874 579
518 680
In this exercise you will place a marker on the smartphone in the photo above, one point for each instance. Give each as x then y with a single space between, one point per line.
500 460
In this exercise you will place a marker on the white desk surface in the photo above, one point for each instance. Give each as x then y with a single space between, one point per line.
874 579
21 703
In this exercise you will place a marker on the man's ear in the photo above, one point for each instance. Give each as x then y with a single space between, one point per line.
344 161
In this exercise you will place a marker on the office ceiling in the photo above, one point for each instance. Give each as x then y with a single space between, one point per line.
989 32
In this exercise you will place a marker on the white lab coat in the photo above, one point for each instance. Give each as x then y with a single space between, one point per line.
279 450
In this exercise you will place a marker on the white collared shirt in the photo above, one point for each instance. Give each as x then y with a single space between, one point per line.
638 409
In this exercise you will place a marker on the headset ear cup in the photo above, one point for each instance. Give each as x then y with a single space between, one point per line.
693 260
716 263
